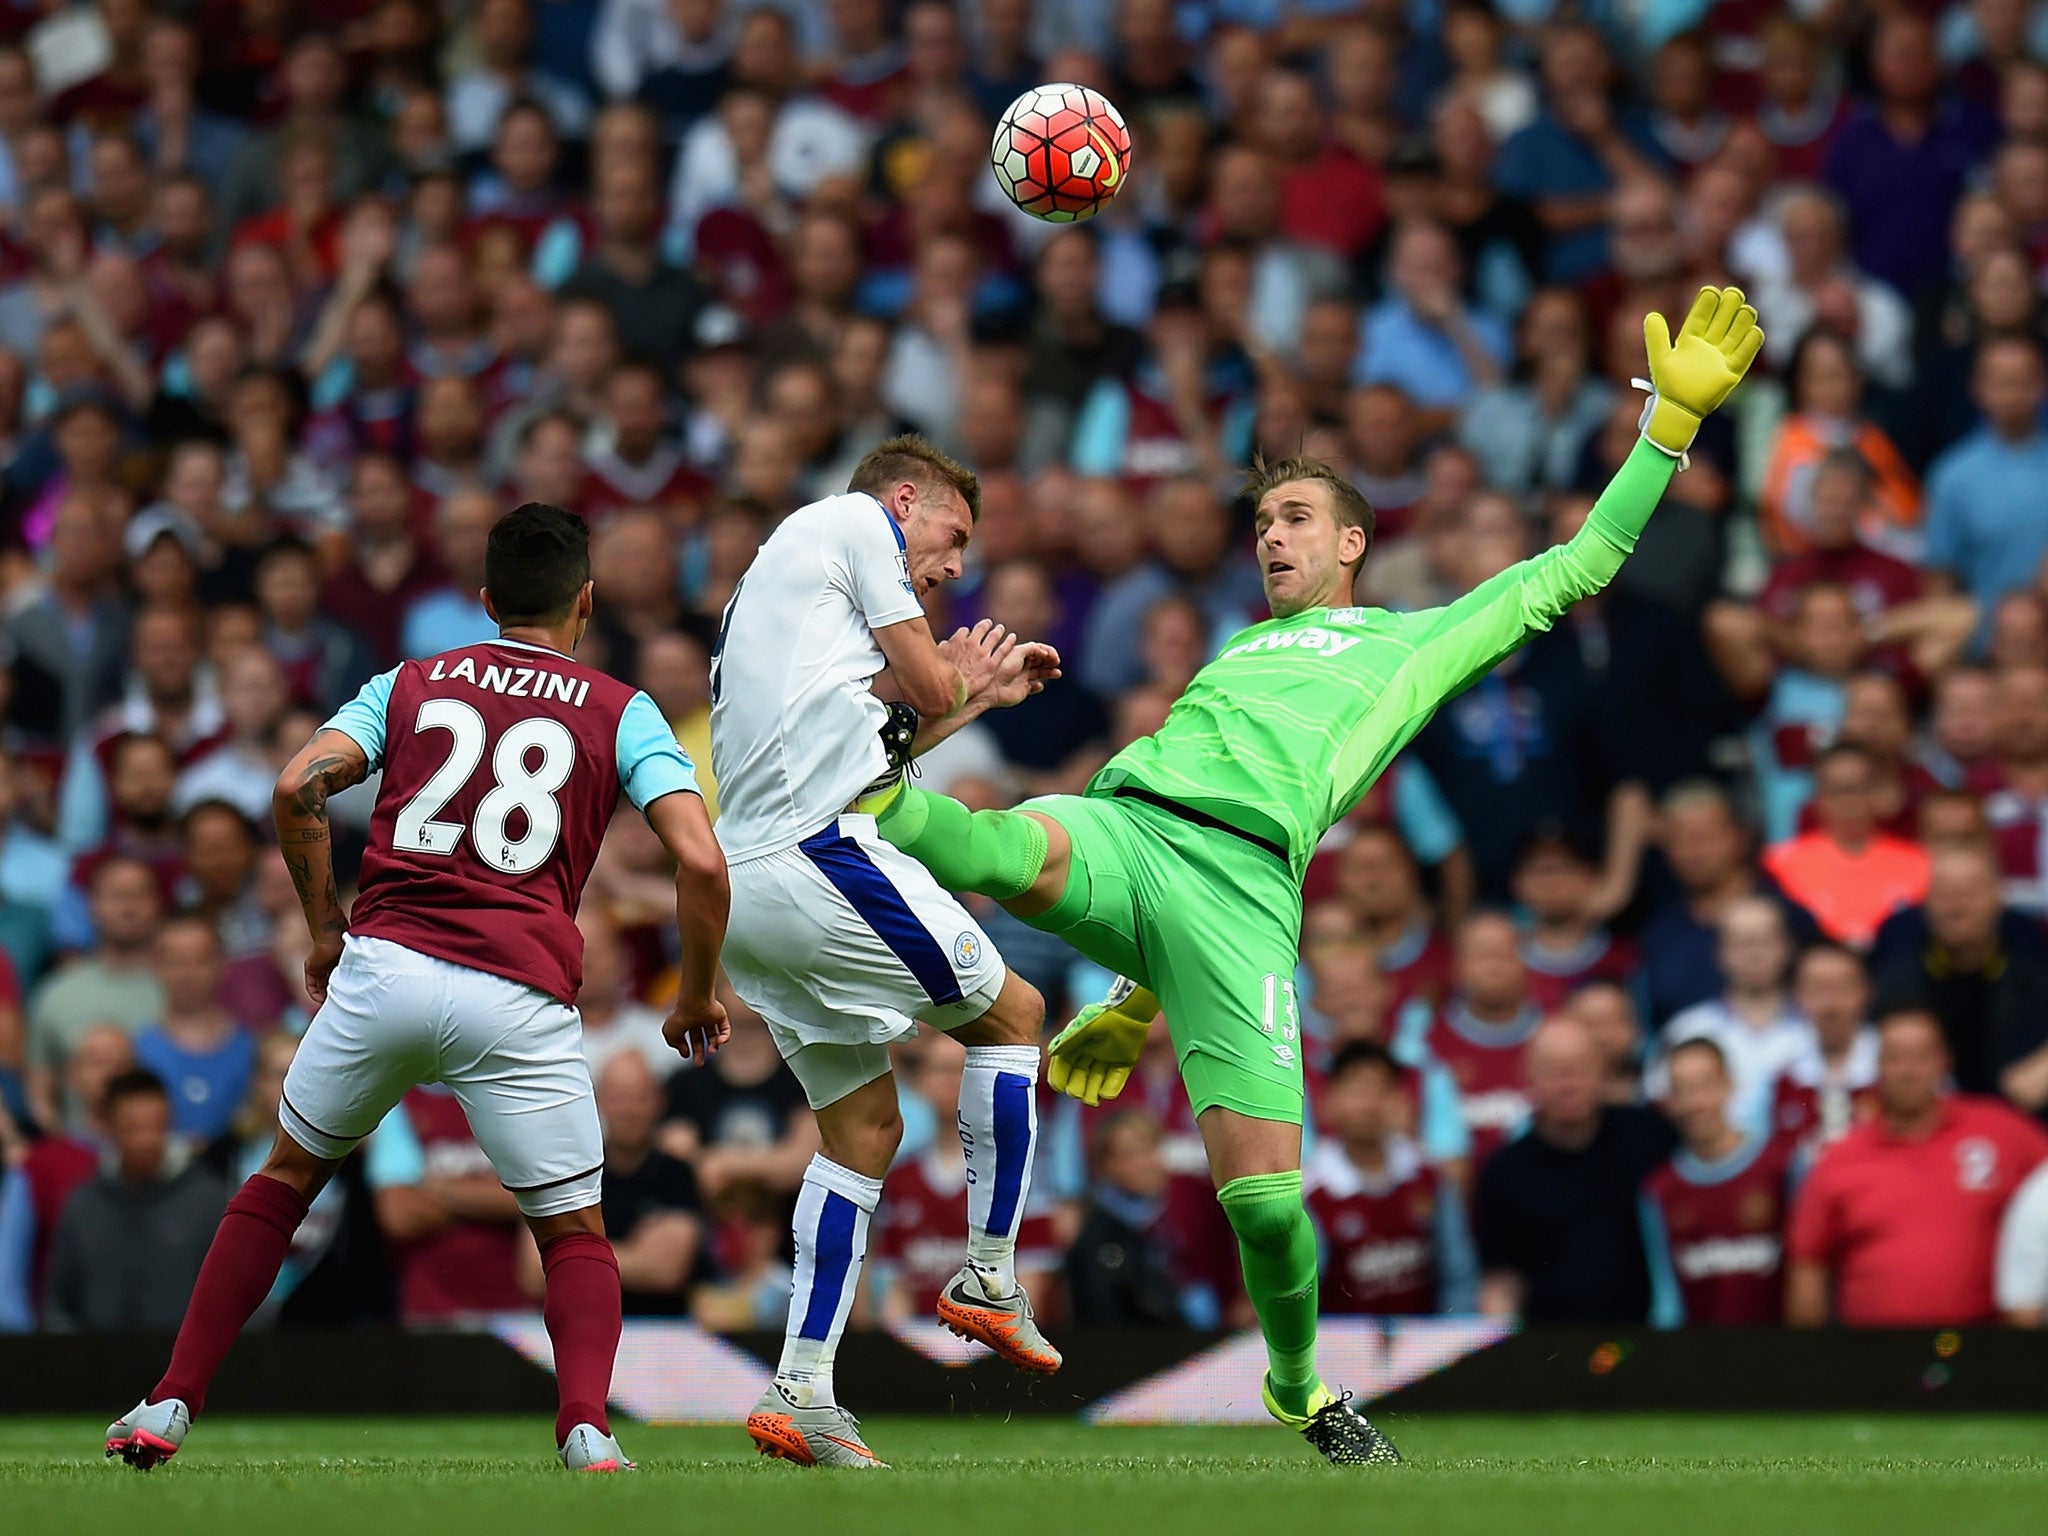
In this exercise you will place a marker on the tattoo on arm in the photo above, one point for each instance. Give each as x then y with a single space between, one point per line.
301 870
323 776
306 805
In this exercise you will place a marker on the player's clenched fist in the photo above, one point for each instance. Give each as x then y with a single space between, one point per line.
1692 375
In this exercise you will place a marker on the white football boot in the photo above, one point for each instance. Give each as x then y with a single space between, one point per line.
590 1449
810 1437
149 1434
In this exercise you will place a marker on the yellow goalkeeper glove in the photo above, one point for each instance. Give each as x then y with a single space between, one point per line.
1691 376
1091 1059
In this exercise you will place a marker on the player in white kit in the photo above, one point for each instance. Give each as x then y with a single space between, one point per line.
844 944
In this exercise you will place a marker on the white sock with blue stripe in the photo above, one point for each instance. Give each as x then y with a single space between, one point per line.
832 1212
999 1133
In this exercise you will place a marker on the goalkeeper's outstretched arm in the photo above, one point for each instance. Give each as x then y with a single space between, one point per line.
1457 644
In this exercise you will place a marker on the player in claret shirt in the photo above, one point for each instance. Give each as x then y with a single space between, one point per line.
1181 865
461 960
1714 1215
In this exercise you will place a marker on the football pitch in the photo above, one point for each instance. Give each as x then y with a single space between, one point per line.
1649 1476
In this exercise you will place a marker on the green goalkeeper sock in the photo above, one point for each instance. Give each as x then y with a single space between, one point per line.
1276 1244
991 853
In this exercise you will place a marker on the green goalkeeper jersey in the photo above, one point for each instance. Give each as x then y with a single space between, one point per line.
1284 732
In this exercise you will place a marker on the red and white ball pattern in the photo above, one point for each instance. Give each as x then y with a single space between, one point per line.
1061 152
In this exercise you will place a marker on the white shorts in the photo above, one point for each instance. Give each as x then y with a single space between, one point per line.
512 1055
843 943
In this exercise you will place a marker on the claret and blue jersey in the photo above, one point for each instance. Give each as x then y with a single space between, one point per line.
503 763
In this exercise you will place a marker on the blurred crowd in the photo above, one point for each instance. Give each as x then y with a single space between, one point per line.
1690 966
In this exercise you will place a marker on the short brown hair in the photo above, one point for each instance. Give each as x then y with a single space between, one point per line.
1347 502
920 461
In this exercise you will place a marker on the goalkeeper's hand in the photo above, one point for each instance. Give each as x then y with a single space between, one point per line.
1691 376
1091 1059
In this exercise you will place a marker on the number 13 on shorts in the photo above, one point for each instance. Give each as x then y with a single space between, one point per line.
1280 1017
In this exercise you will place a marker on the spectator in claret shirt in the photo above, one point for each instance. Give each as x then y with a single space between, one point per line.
1714 1215
1392 1224
1963 725
1330 198
1897 1225
1477 1035
1378 884
1799 701
2014 784
1877 720
142 774
1824 1093
324 662
633 560
1838 497
639 464
452 1229
1564 946
387 565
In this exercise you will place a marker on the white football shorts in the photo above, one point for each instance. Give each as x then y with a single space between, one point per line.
511 1054
843 944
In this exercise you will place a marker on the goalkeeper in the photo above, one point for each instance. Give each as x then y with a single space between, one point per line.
1181 866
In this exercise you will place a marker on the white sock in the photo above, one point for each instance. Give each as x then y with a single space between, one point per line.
832 1212
999 1133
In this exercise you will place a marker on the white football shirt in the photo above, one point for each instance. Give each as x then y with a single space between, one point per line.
795 730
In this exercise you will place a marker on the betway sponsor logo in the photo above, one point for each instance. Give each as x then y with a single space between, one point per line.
1718 1256
1321 642
1378 1264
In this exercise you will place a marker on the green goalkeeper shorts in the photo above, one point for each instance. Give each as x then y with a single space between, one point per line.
1210 922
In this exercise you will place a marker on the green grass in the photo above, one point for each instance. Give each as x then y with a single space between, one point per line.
1582 1476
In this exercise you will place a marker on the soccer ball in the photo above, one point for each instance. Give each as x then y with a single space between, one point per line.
1061 152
